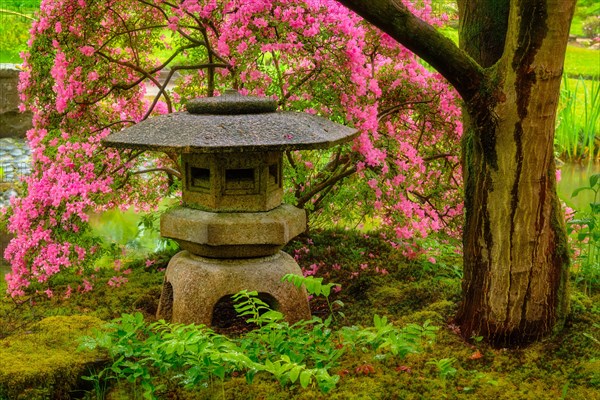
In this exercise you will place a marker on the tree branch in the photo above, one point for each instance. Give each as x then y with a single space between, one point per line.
438 156
3 11
311 74
163 87
394 18
324 184
402 106
168 171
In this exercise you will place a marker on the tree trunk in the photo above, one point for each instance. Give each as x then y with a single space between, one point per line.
515 247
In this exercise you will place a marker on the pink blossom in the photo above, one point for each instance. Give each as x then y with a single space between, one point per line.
87 50
87 286
117 281
310 55
311 271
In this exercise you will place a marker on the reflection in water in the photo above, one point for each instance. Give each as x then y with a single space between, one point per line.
574 176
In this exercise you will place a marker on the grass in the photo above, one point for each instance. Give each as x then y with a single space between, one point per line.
578 120
410 291
14 33
582 62
10 57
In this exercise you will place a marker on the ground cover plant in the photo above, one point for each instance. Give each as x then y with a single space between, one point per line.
375 278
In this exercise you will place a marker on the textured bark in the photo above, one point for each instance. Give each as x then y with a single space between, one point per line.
516 258
482 29
515 252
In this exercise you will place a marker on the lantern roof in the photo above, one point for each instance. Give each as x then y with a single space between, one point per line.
231 123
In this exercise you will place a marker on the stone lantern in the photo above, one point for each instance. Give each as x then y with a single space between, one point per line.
232 224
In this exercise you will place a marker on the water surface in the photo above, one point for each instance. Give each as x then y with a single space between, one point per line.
574 176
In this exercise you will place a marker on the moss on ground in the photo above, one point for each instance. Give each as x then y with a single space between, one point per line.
43 362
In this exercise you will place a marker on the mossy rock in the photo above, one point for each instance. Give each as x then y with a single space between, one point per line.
43 363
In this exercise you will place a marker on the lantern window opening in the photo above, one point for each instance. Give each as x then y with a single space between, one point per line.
274 175
199 178
241 181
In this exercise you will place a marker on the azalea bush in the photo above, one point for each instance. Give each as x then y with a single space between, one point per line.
87 73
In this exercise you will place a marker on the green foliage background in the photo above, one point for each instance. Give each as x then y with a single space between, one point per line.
14 29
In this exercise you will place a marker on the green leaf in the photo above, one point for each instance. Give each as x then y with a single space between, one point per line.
338 303
250 376
310 286
87 343
594 180
376 321
293 279
577 222
591 224
578 190
272 316
294 373
595 208
219 371
305 378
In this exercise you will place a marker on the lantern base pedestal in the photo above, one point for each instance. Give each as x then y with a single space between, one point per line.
194 285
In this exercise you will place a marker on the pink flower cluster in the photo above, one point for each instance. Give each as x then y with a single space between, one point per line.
86 74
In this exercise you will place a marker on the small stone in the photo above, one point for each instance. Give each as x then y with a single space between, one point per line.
9 194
